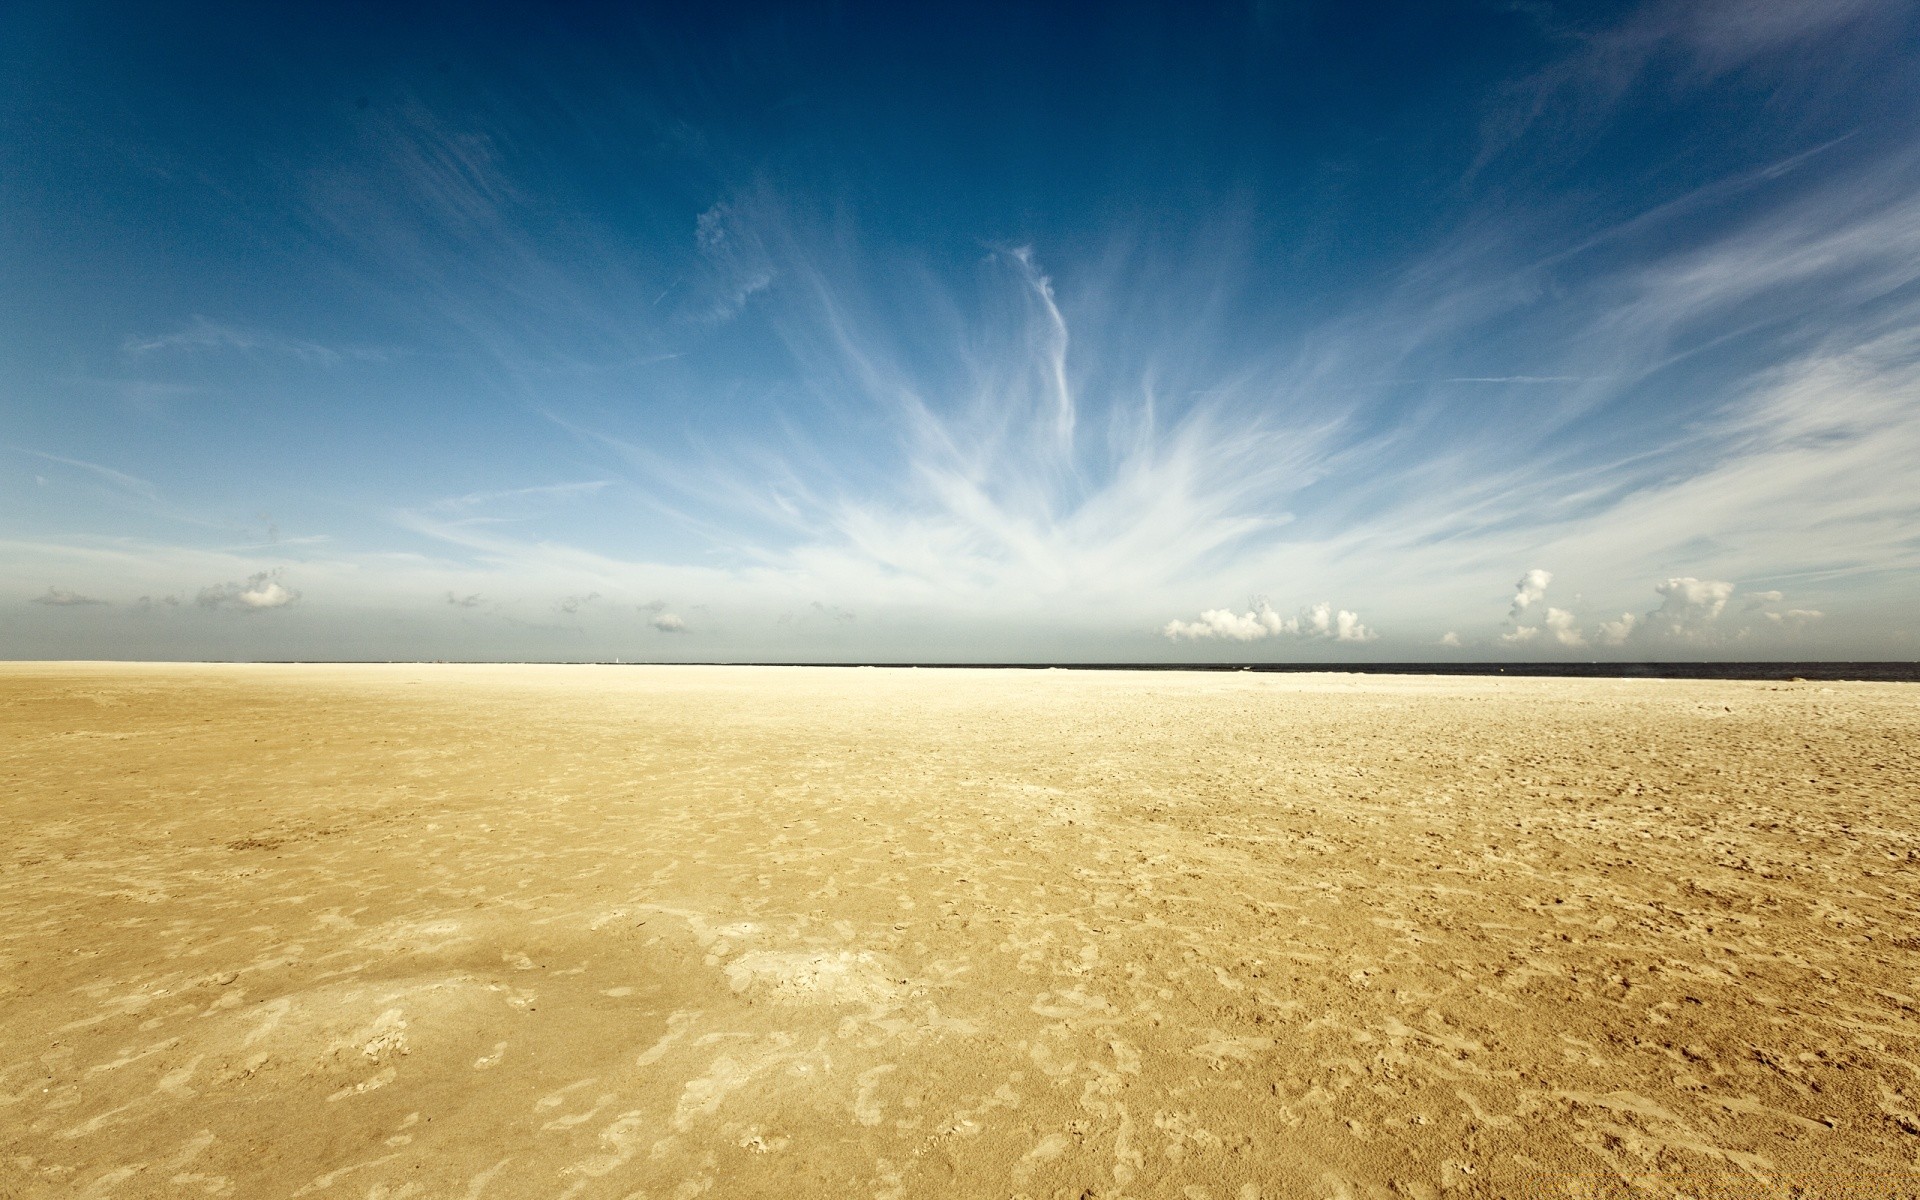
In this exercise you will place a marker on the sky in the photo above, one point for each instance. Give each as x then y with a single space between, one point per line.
839 332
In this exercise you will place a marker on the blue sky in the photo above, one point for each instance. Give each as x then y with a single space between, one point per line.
814 332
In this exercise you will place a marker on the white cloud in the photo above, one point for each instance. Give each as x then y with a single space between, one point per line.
1530 590
1222 623
260 592
1531 587
573 604
1180 476
1183 473
1695 611
737 263
667 622
119 479
62 598
1450 638
1689 606
1317 621
1616 633
202 334
519 500
1795 616
1565 627
1347 628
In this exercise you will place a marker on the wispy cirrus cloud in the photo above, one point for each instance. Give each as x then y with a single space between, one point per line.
518 499
1176 477
1687 44
130 484
771 392
201 334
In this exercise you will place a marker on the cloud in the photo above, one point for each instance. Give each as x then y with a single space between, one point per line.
200 334
1795 616
259 593
1450 638
1616 633
573 604
1694 611
1513 379
667 622
737 264
1692 42
471 600
1701 407
1318 621
1689 606
119 479
1564 627
980 461
1532 586
980 483
61 598
520 498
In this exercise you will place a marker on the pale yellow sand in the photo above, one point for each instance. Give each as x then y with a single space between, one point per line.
620 932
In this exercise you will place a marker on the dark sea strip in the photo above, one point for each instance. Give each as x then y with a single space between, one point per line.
1872 672
1808 672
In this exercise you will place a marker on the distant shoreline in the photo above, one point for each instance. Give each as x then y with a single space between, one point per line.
1783 672
1825 672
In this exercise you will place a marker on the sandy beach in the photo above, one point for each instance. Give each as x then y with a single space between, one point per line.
491 932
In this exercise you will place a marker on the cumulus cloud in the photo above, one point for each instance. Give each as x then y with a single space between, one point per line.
1761 604
1616 633
1689 606
666 622
1558 623
1691 610
472 600
1450 638
259 593
1532 586
1317 621
1795 616
62 598
573 604
1564 627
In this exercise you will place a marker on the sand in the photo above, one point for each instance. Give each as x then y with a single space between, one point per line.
484 932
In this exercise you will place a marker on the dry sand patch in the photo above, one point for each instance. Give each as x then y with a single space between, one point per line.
618 932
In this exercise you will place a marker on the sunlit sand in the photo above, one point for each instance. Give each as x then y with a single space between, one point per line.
490 932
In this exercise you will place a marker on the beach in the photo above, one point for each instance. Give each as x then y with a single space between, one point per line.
624 931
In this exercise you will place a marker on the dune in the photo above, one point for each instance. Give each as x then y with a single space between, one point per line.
487 932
